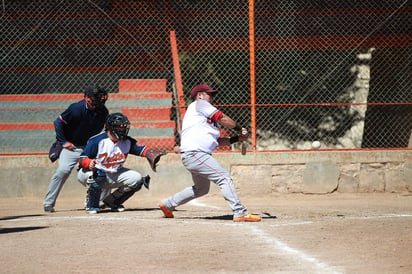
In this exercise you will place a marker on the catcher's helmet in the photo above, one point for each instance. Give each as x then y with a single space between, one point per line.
118 124
97 94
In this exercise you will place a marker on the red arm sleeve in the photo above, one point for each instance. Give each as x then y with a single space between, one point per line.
85 162
217 116
144 152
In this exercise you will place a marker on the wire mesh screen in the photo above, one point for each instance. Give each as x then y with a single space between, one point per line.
326 72
292 72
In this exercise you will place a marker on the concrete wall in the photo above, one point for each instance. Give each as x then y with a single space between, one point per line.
319 172
312 172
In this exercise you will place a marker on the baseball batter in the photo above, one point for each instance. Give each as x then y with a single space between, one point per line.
101 164
200 137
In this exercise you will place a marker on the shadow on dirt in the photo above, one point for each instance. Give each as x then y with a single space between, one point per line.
223 217
268 216
107 210
143 209
18 217
20 229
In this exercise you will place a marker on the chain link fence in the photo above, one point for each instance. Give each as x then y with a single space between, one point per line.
292 72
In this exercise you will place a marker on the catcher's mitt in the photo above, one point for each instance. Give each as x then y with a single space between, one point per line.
55 150
153 156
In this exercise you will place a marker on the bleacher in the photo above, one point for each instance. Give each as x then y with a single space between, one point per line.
26 120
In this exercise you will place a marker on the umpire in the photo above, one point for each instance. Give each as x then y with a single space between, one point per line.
74 127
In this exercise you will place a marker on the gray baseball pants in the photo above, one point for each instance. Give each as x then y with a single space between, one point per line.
126 178
205 169
67 160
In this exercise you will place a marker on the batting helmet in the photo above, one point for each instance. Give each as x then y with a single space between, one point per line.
97 94
118 124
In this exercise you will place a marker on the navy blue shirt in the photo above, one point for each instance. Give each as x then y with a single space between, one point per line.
79 122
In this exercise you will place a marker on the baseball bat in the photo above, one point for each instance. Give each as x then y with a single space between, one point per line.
178 118
244 143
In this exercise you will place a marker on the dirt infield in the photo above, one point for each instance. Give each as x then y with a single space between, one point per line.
337 233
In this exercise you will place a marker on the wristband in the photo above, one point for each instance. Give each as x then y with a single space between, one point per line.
234 139
237 127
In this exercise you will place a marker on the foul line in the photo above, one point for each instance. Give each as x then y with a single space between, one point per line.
291 251
196 203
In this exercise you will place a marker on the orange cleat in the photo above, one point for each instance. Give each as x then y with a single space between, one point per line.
247 218
168 213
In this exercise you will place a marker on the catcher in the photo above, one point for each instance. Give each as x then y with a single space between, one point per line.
101 165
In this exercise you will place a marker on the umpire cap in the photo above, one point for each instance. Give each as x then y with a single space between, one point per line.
97 94
94 90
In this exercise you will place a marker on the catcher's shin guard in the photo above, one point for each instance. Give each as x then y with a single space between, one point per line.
93 194
118 197
89 182
94 189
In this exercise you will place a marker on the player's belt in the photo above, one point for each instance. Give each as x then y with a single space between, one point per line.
193 151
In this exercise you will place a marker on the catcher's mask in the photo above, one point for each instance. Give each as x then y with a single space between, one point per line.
118 124
98 95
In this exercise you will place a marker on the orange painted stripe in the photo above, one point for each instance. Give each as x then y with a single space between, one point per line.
32 126
138 114
292 13
78 97
83 69
139 96
153 124
298 42
50 126
42 97
142 85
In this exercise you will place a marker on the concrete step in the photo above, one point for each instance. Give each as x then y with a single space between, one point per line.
52 101
20 141
48 126
38 115
41 146
26 120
